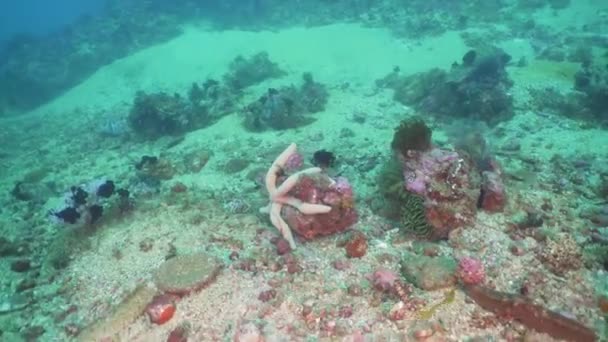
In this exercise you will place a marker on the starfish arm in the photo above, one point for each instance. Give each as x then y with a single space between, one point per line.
303 207
275 168
280 224
292 180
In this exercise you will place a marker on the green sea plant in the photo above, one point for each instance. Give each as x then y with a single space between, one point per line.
401 205
413 216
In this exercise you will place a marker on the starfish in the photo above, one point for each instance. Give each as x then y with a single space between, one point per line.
279 195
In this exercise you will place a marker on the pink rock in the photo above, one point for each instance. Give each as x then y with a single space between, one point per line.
320 189
449 184
470 271
383 279
493 198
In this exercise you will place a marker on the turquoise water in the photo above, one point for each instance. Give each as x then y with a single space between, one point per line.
295 171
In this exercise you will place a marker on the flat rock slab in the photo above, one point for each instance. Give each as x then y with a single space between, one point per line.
184 274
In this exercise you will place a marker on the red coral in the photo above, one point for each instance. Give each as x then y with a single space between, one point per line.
320 189
356 247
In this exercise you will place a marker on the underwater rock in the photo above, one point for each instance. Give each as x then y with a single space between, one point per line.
179 334
470 271
449 184
154 169
161 309
429 273
21 265
286 107
320 189
10 248
186 273
561 255
9 303
356 246
493 198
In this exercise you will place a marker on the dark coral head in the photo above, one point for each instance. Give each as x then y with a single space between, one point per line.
323 159
67 215
412 135
106 189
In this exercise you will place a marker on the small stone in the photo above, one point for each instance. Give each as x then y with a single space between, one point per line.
179 334
21 265
282 246
341 265
187 273
429 273
26 284
267 295
356 247
32 333
146 244
8 248
354 290
248 332
161 309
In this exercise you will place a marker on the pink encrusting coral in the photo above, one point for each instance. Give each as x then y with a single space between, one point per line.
294 161
320 189
383 279
470 271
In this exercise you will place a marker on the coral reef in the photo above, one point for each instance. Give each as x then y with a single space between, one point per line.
432 191
477 89
214 98
286 107
159 114
245 72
